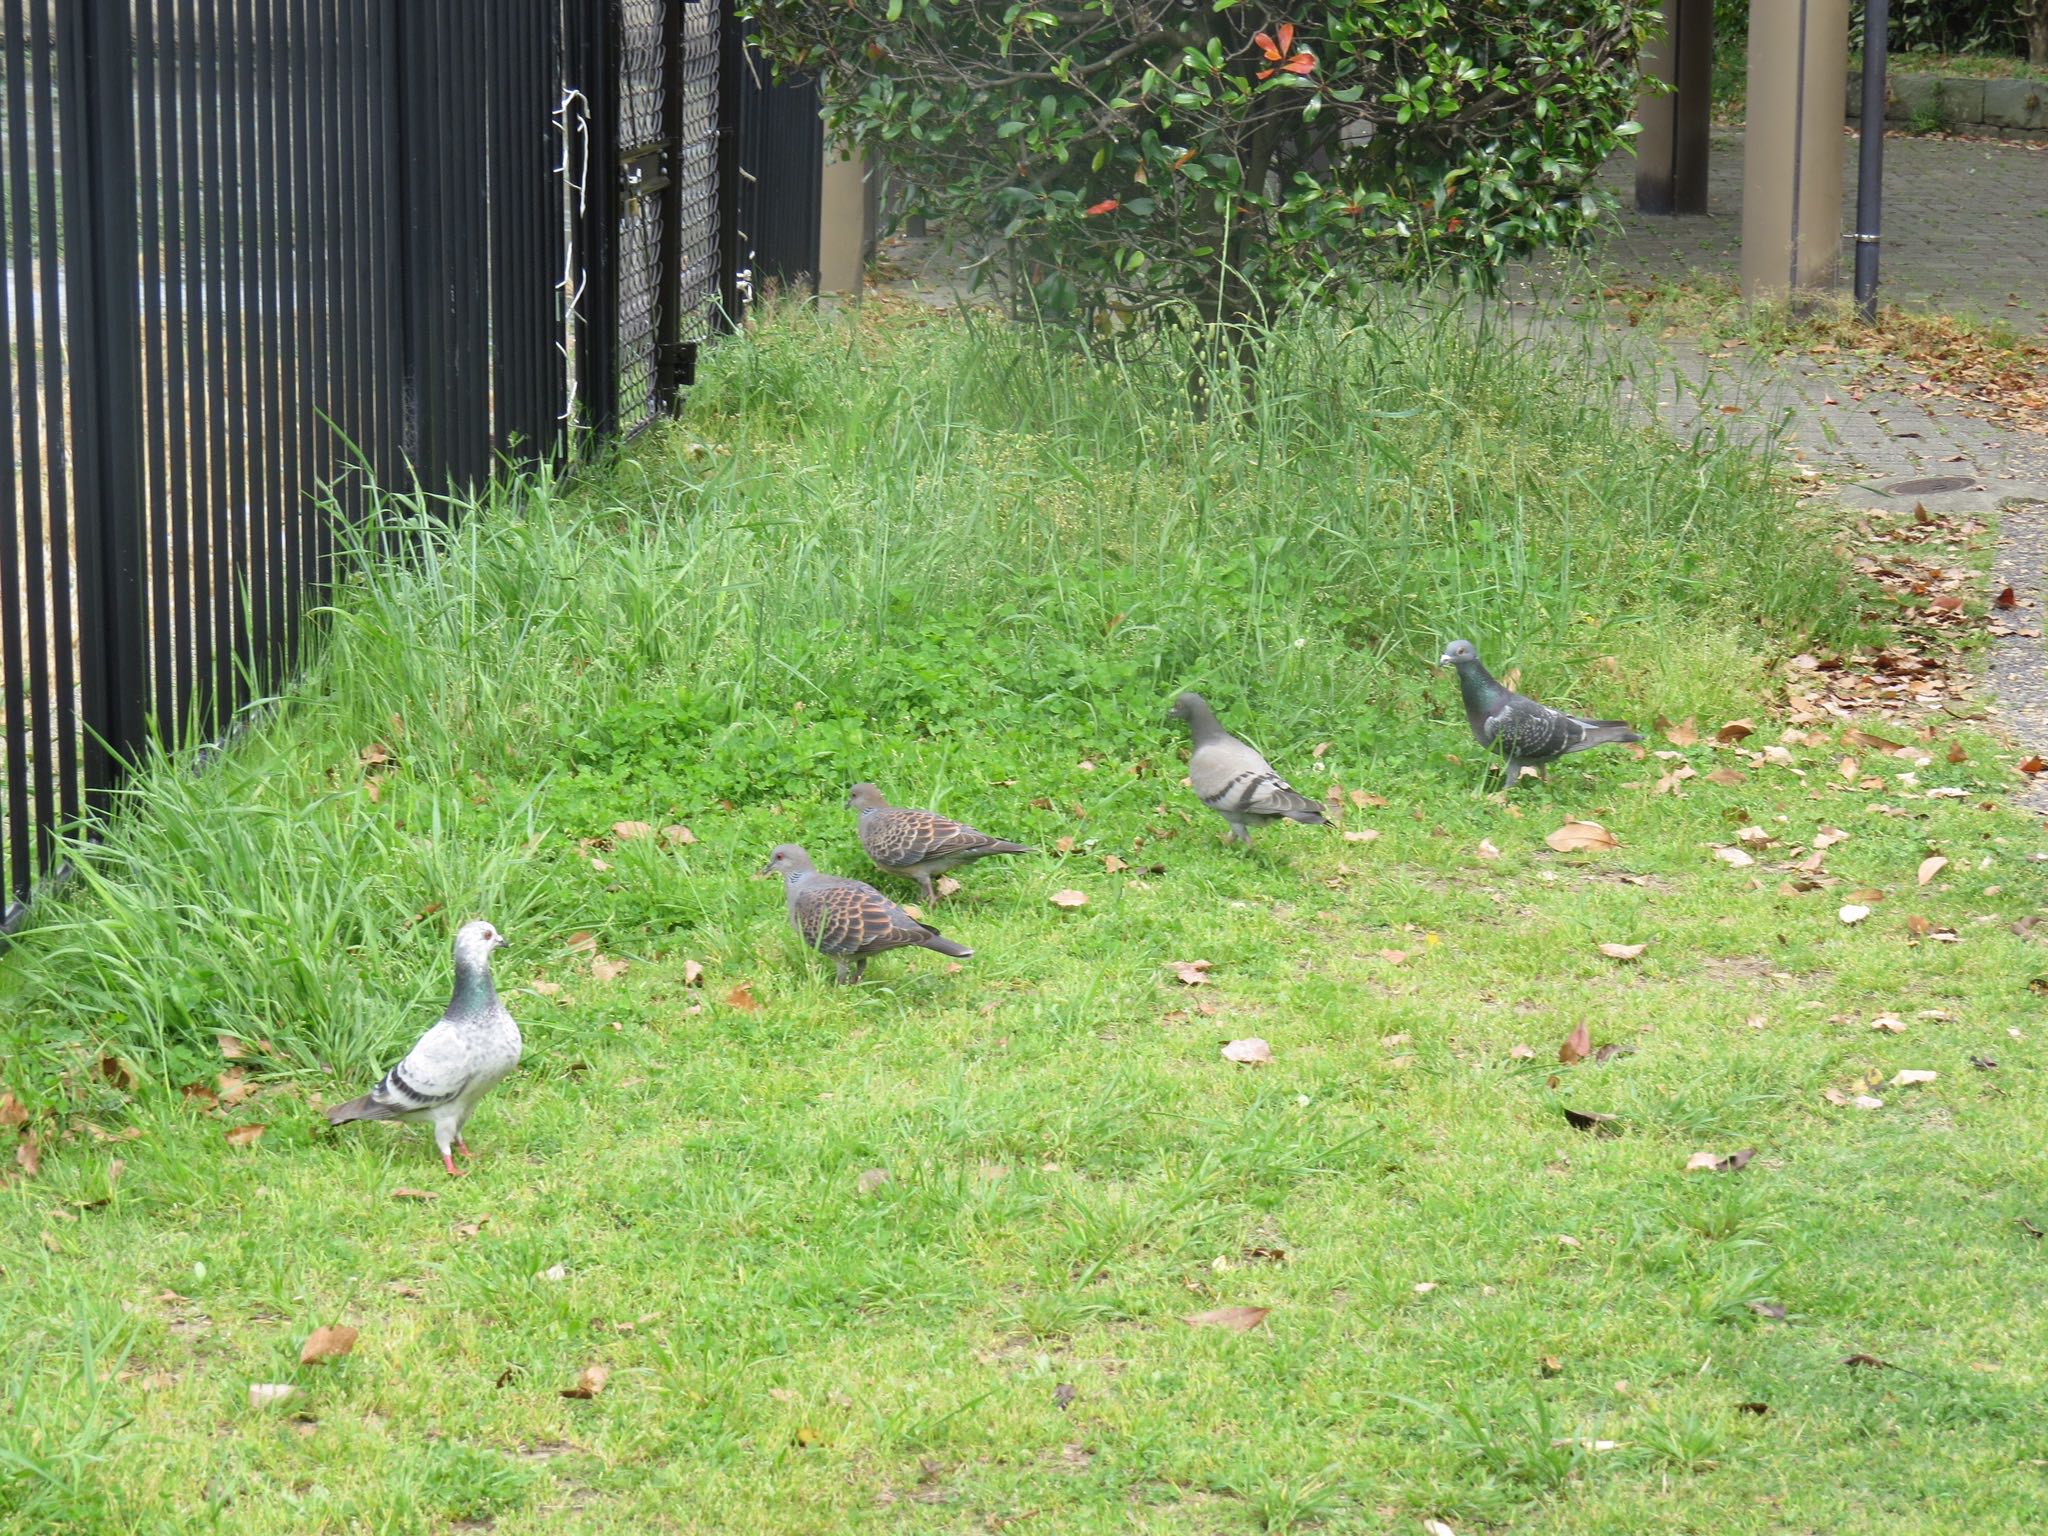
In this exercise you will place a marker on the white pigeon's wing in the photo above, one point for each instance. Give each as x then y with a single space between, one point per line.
434 1072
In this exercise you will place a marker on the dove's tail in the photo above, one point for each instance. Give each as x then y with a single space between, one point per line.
940 944
1603 733
365 1108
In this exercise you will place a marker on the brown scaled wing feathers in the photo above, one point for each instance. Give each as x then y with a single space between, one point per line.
849 918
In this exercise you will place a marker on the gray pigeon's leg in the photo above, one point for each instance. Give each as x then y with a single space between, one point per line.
1239 832
1514 772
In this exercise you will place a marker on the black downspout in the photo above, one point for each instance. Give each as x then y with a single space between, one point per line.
1870 154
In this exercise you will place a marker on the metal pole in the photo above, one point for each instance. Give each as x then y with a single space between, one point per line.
1870 154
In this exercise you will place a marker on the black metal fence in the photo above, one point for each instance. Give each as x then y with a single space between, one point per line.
259 253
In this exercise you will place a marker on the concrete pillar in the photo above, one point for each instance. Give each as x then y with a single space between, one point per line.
1671 151
843 222
1792 157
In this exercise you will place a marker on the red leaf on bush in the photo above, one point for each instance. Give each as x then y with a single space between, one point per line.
1300 64
1268 47
1107 205
1286 37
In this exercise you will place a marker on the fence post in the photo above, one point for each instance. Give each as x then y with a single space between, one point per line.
590 48
96 106
732 66
668 298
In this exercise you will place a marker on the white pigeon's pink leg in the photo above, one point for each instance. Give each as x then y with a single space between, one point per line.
448 1162
463 1147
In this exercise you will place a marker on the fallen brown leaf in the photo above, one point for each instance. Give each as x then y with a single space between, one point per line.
1362 835
1769 1309
2006 599
589 1383
605 969
1683 734
1930 867
1588 1120
582 943
406 1192
1716 1162
1068 899
1236 1319
1578 1045
1576 835
1853 913
946 885
328 1343
1252 1052
1191 972
268 1394
1487 850
12 1113
676 835
742 998
1622 951
693 974
1868 1362
1734 731
245 1135
626 831
1521 1053
1725 776
871 1179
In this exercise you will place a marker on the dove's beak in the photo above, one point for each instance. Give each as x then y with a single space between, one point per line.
764 871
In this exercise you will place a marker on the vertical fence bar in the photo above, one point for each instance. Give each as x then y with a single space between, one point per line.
18 481
593 66
197 589
732 68
282 511
50 629
96 97
151 179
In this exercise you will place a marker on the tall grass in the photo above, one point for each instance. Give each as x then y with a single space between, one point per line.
926 546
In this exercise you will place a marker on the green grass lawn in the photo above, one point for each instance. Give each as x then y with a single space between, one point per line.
931 552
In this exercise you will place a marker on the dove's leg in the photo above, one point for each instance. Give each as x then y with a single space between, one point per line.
924 883
841 962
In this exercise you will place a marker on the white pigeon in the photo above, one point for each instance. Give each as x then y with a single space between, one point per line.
469 1052
1233 780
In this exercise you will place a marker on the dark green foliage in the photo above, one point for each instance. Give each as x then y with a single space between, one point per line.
1148 154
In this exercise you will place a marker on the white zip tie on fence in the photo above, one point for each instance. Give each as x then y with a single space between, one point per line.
572 285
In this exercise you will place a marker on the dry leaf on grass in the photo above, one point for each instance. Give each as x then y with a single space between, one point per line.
1622 951
1590 1120
1907 1077
1253 1052
676 835
1888 1024
742 998
407 1192
1683 734
589 1383
1487 850
1113 865
1853 913
1725 776
1577 1047
1716 1162
28 1156
1437 1528
1930 867
1068 899
329 1343
693 974
626 831
1827 837
605 969
947 885
1190 971
871 1179
1521 1053
1733 857
1575 836
268 1394
1236 1319
582 943
245 1135
1362 835
1733 732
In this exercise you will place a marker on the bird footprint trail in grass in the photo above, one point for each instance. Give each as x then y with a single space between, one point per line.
472 1049
918 844
1233 780
849 919
1527 734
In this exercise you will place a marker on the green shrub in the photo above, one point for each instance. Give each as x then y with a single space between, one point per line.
1155 154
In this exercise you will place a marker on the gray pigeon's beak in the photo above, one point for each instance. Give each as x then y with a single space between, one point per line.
1445 660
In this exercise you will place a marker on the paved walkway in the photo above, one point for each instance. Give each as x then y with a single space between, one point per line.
1965 226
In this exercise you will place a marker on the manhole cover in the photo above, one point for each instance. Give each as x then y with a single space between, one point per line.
1930 487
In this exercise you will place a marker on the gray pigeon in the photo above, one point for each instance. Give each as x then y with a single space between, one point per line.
917 843
456 1062
848 919
1527 734
1233 780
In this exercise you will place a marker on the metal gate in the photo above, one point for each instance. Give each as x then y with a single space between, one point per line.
261 254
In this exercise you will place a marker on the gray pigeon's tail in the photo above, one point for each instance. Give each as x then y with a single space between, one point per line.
940 944
365 1108
1603 733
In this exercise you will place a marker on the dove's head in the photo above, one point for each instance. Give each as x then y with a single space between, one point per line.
473 945
864 797
1458 653
787 860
